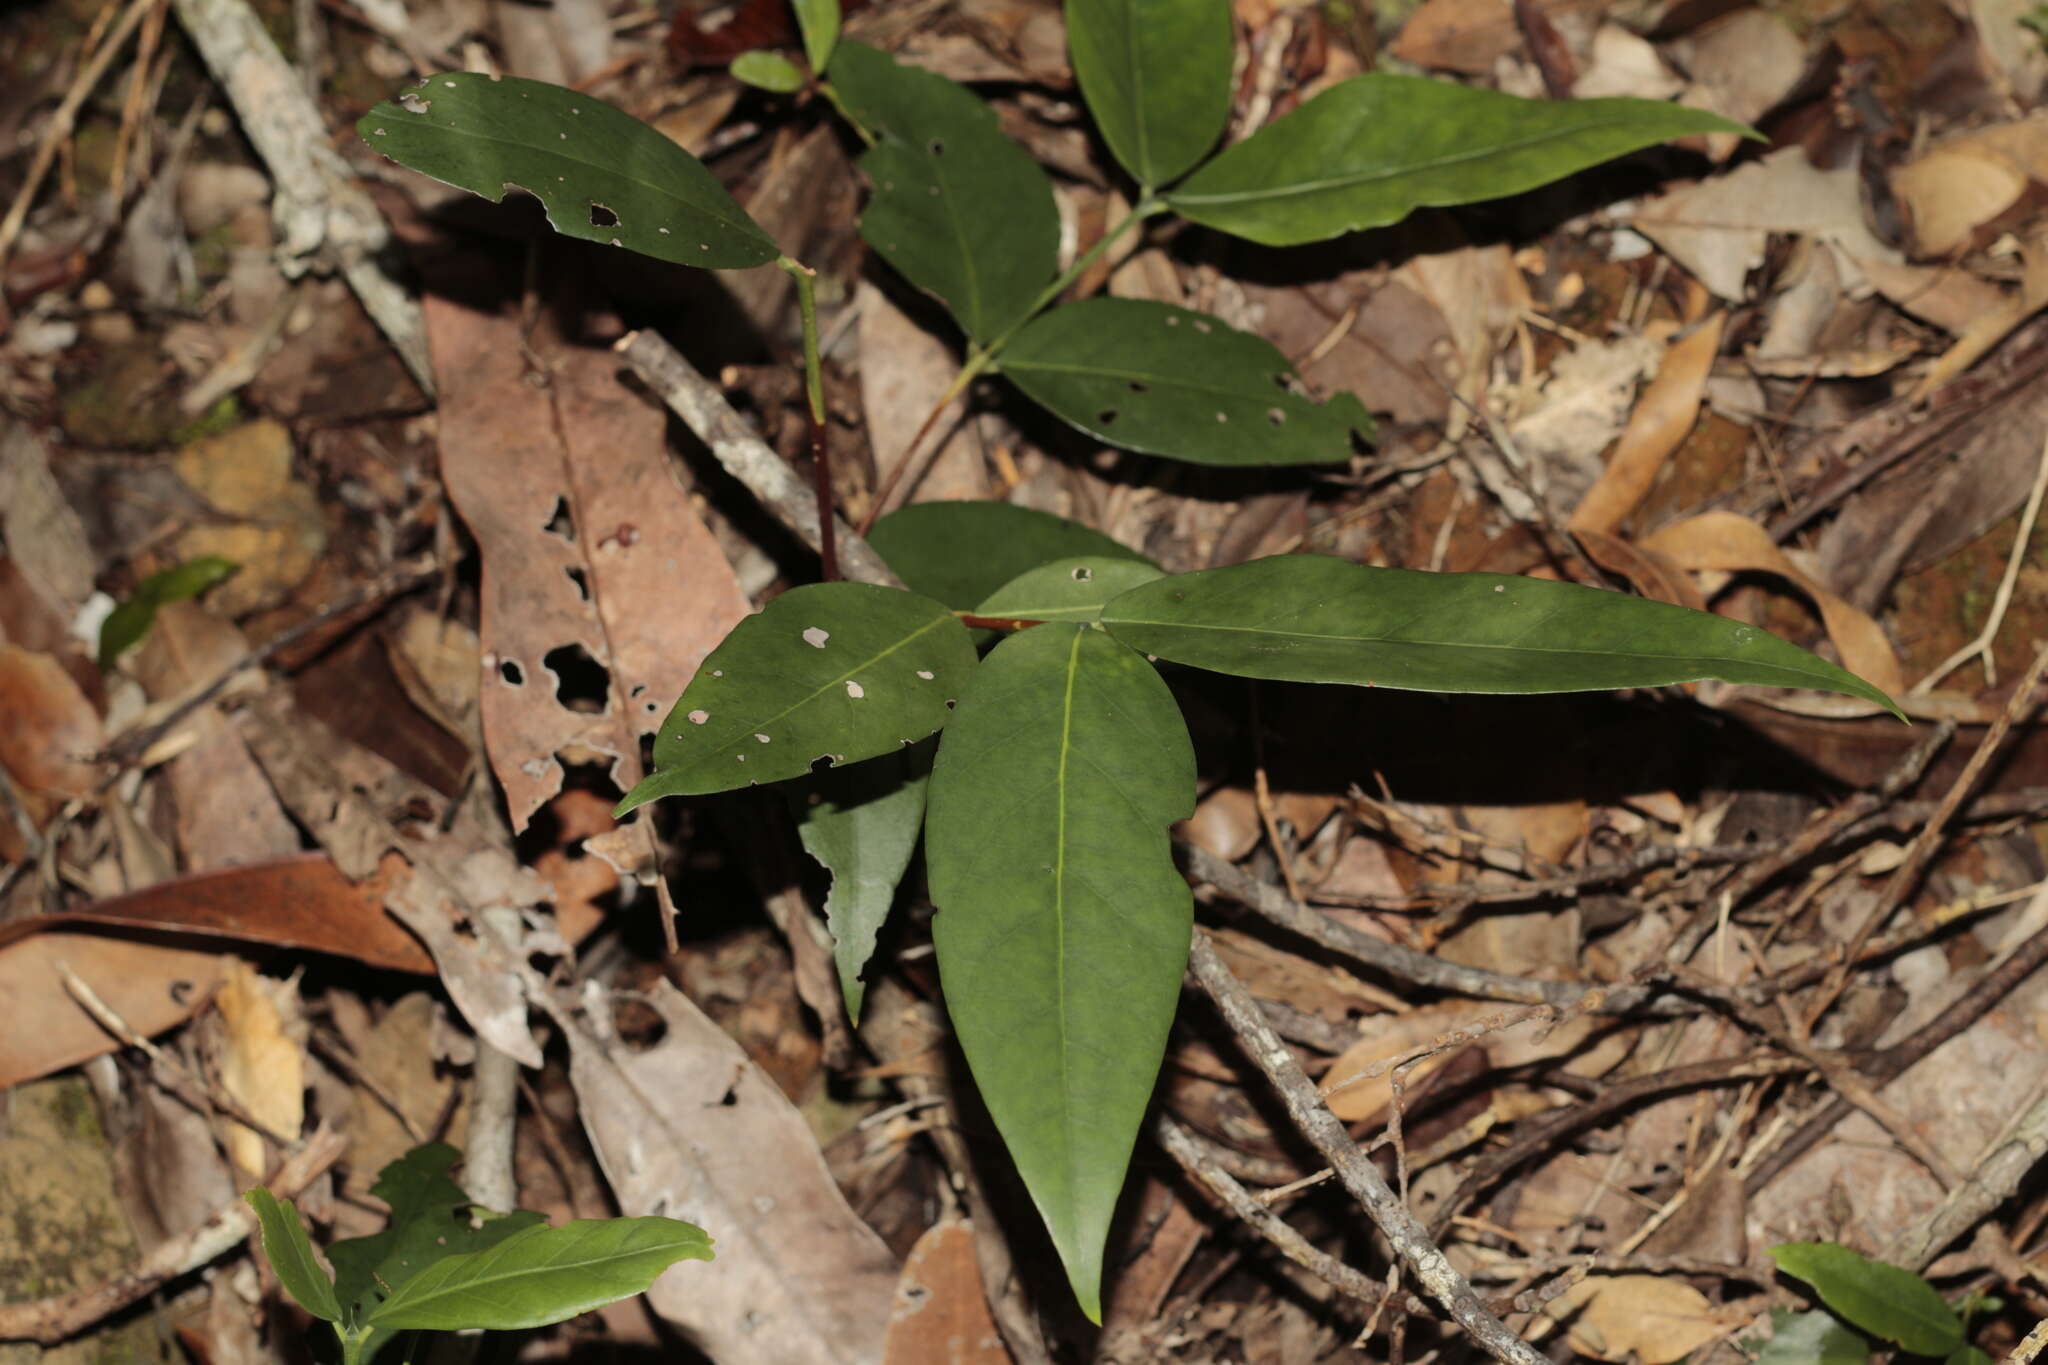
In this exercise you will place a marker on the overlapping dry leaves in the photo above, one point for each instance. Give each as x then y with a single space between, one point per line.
1803 382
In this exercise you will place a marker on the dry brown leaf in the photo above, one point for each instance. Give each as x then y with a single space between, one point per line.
690 1128
273 526
1957 186
1652 575
1649 1319
1354 1094
262 1065
396 1054
1948 296
150 986
1663 418
49 732
1742 65
940 1315
1994 326
592 553
904 370
1469 36
1725 540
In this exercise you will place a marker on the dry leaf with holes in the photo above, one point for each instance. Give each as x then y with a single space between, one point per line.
262 1063
1648 1319
940 1315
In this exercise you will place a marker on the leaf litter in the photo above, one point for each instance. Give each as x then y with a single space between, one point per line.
1796 384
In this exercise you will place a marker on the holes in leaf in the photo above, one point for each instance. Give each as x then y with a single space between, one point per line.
1106 416
512 673
1277 416
600 216
581 682
1223 417
1139 386
581 580
1202 326
937 146
560 523
1082 573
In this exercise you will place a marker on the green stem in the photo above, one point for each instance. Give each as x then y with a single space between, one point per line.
814 390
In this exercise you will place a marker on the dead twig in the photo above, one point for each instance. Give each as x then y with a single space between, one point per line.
1997 1174
52 1320
1410 1240
2003 598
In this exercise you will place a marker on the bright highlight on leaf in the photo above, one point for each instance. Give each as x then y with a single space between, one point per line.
1062 926
602 175
1148 376
1371 150
1309 618
838 671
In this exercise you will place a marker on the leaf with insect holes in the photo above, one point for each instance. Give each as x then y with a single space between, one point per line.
1169 381
1156 75
960 552
291 1255
844 671
961 210
1062 925
861 823
1884 1300
1066 589
1370 150
1310 618
601 174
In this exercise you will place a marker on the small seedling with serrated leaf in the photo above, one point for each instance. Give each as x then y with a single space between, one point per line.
445 1265
1061 759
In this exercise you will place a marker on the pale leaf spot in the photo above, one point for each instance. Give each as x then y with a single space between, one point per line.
853 690
762 738
925 673
699 717
816 638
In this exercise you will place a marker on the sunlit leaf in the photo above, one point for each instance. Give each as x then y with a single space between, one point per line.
1884 1300
1310 618
1066 589
1156 75
1152 377
1062 925
843 671
958 208
1370 150
601 174
542 1275
861 823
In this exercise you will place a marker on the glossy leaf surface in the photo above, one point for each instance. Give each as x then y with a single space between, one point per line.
1066 589
861 823
1309 618
542 1275
1062 925
1168 381
1371 150
819 22
1884 1300
601 174
290 1252
1156 75
961 210
960 552
766 70
839 670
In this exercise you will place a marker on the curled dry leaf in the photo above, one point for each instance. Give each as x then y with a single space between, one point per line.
1724 540
1953 189
1663 418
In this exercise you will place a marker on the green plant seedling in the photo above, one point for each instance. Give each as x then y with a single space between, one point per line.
444 1265
1878 1300
127 624
1060 760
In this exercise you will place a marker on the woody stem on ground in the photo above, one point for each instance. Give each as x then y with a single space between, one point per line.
916 460
814 394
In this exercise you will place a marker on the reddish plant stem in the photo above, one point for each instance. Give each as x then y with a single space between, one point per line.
995 622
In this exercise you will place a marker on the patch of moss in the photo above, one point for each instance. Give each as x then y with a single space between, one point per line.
224 415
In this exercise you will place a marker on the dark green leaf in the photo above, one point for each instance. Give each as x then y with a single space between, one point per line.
602 175
1062 925
1308 618
1066 589
1892 1304
291 1255
1156 75
839 670
1813 1338
819 20
768 71
1372 149
541 1275
1967 1355
861 822
960 552
957 207
127 624
1148 376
